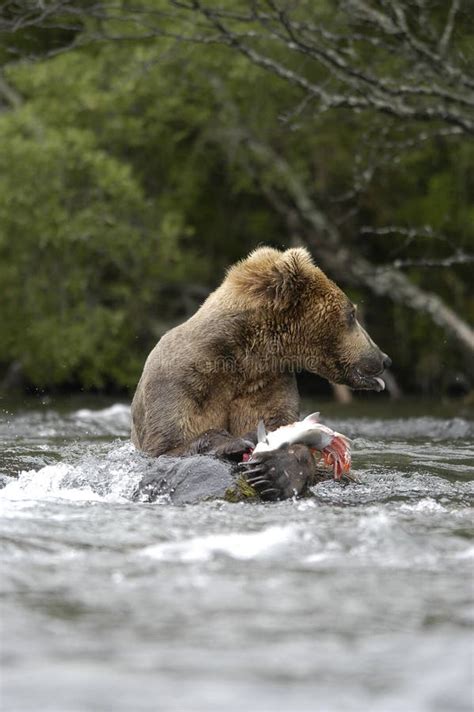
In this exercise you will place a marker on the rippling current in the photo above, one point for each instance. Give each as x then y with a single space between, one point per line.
358 598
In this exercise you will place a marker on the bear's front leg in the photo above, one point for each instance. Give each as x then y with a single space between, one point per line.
280 474
221 444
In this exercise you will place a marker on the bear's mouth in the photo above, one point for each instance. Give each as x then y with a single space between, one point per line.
362 382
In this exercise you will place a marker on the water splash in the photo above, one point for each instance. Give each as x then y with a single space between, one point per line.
235 545
114 604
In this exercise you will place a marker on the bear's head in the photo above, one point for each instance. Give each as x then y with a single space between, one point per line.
304 320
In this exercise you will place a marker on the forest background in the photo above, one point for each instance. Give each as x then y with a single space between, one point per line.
147 145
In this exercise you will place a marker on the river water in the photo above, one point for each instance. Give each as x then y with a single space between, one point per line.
359 598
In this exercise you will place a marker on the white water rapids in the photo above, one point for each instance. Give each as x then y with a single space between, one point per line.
357 599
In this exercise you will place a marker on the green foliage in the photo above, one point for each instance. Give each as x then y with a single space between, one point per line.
82 254
127 180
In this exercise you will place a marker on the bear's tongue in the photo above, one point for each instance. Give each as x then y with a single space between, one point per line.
380 382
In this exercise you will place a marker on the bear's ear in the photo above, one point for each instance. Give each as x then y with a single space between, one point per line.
268 274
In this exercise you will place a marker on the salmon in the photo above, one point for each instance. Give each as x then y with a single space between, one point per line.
334 447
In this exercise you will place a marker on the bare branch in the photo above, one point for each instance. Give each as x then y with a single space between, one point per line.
448 29
433 89
457 259
385 280
9 94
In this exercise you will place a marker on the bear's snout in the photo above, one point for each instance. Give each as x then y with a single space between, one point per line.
366 371
372 363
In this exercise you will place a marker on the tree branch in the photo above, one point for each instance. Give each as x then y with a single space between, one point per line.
383 281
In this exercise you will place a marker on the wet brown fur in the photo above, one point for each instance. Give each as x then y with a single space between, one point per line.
232 363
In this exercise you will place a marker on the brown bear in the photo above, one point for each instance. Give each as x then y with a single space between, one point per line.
209 381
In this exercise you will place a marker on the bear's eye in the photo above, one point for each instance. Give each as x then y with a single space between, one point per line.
352 316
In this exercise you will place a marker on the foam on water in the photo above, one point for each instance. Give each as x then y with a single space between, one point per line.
112 476
116 419
235 545
358 598
51 482
424 505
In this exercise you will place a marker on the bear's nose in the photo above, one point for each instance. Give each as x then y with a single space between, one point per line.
387 361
